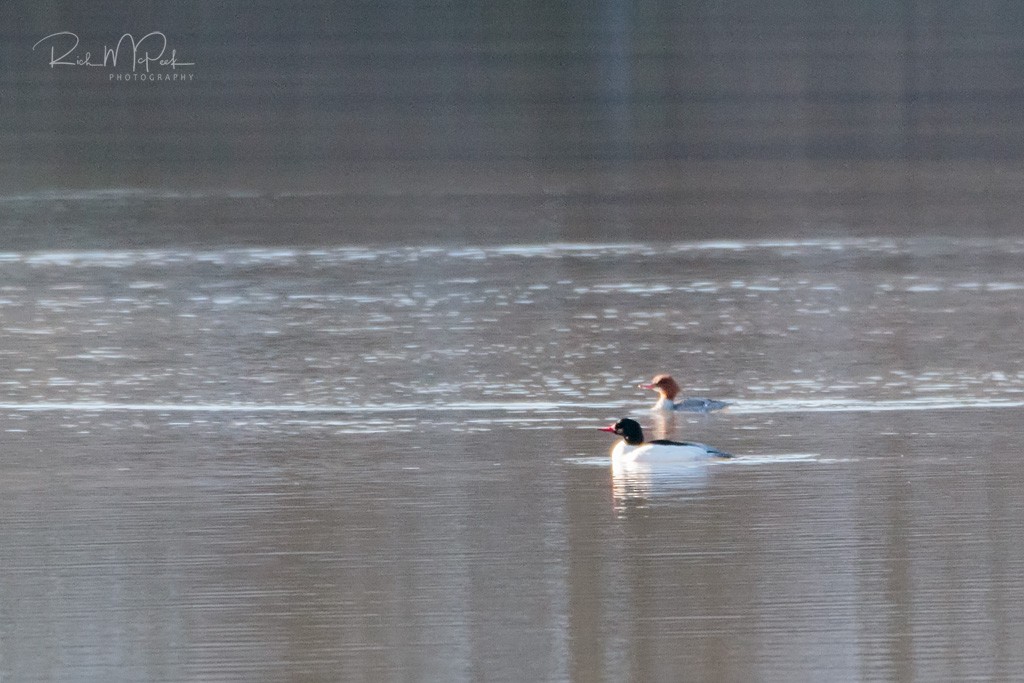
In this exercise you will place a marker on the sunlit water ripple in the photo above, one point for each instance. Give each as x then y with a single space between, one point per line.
524 330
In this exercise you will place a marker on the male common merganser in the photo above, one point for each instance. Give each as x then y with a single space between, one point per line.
668 390
633 448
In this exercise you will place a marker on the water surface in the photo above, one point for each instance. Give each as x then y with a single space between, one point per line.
374 463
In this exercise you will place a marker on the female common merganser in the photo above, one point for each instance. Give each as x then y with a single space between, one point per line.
668 390
633 448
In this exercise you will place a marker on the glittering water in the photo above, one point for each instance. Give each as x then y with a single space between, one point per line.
381 463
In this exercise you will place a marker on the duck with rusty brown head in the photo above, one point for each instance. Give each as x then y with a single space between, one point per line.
668 389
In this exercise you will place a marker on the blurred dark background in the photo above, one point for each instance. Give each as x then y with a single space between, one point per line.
325 123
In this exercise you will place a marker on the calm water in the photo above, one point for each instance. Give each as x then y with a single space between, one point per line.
382 463
262 420
600 120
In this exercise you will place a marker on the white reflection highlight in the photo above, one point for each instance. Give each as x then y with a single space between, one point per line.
640 484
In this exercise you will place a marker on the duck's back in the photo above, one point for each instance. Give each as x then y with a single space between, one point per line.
666 450
699 405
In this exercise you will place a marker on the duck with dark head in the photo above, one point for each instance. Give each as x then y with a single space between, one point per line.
633 448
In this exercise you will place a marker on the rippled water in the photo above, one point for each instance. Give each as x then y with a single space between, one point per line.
381 463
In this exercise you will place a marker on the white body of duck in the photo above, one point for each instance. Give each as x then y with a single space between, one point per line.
633 448
668 389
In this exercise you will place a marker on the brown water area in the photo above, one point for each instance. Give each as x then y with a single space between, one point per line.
304 345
